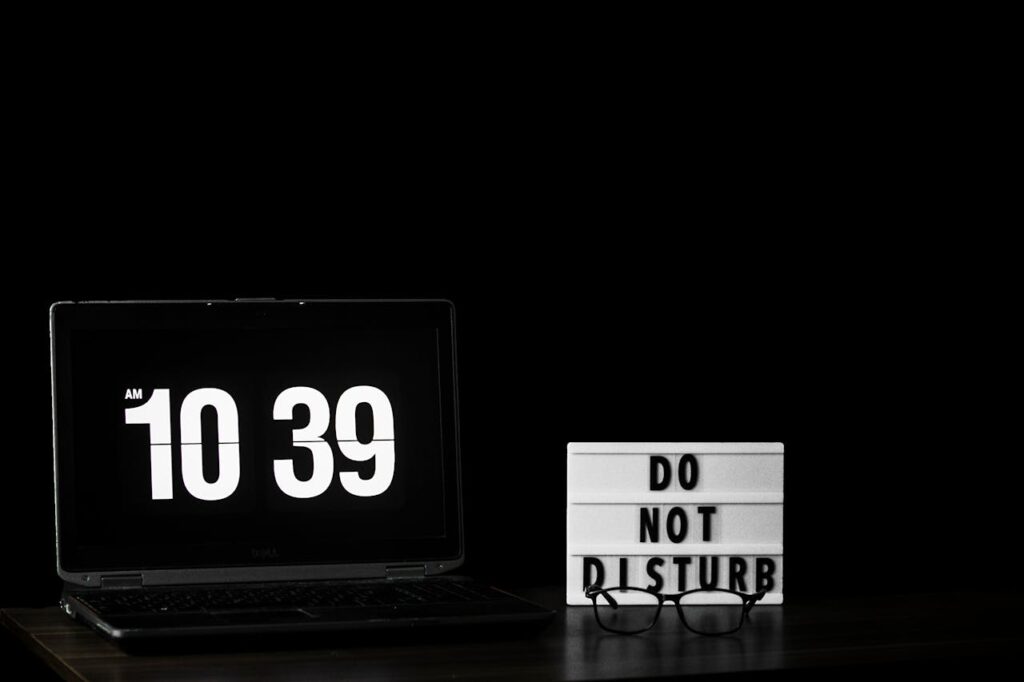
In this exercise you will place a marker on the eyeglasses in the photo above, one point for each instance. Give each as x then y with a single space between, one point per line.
633 610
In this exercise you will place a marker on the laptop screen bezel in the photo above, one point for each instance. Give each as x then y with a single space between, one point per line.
436 555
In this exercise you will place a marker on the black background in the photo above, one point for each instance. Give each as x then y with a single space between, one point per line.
778 248
800 238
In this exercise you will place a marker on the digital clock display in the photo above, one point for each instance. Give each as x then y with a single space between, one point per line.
253 443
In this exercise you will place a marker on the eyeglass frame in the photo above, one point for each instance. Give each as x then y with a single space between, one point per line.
749 600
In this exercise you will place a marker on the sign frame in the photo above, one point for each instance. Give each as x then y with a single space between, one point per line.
748 545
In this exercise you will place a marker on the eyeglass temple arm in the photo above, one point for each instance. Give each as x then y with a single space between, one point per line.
594 589
753 599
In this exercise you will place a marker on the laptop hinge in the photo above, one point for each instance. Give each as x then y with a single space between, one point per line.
116 581
405 571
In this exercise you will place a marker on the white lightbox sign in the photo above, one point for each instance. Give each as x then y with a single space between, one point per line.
674 517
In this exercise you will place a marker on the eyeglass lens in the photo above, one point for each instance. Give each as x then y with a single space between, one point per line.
724 616
626 610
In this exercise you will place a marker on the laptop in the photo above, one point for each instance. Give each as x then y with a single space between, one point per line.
261 466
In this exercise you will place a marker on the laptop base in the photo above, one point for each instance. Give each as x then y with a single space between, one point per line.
181 613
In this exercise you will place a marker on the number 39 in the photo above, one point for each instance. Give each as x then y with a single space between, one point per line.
156 412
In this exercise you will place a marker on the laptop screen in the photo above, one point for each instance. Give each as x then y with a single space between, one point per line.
254 434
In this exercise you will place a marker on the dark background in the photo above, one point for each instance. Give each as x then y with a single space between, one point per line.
782 248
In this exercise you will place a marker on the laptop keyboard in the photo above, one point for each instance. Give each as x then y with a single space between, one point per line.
305 595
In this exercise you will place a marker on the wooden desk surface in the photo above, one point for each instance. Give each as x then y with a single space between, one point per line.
844 633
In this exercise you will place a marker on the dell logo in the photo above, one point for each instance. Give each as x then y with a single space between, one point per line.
264 552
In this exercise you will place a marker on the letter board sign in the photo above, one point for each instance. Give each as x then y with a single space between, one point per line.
674 517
